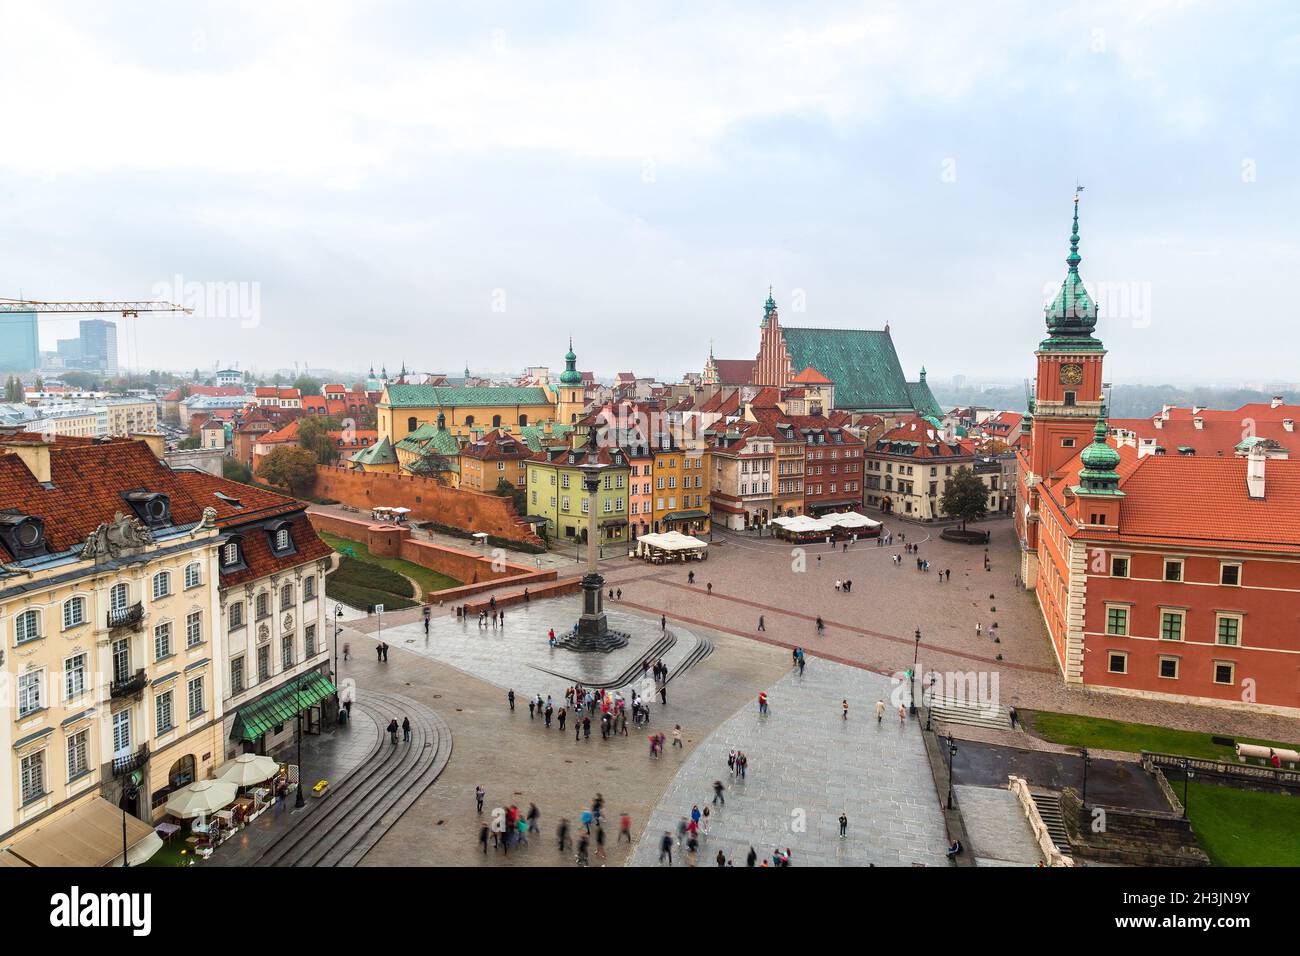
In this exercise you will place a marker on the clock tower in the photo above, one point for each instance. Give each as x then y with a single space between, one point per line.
1067 400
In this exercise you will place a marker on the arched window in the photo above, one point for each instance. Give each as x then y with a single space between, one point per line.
523 420
27 626
469 419
74 612
496 421
263 605
117 597
411 424
193 575
162 584
573 418
286 597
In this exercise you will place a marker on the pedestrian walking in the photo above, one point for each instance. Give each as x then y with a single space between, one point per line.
625 828
666 847
510 696
406 730
483 836
880 711
845 705
844 825
718 790
392 730
677 735
478 799
902 715
761 625
709 587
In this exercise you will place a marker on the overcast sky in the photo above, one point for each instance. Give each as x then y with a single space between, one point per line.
401 181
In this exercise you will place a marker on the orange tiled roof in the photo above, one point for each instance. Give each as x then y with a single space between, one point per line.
810 376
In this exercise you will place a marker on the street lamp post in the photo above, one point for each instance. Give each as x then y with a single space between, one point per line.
338 627
1187 775
299 802
1083 752
916 655
929 709
952 752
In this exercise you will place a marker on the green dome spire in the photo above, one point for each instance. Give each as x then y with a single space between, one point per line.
570 375
1099 462
1072 315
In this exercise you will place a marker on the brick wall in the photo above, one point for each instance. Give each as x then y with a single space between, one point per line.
473 567
428 501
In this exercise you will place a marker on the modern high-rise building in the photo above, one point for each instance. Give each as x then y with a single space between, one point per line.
19 342
99 345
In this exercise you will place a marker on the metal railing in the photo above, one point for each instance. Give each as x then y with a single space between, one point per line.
127 686
130 763
126 616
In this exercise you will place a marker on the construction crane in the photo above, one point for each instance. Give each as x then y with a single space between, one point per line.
132 309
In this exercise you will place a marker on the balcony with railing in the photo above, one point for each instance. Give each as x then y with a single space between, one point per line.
129 763
126 616
128 685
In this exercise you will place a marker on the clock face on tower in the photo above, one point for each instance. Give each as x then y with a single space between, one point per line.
1071 374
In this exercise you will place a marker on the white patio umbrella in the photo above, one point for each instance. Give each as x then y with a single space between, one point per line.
202 796
248 769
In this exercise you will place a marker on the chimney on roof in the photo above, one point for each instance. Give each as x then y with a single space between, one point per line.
1158 421
36 456
1277 400
1197 409
1164 411
157 444
1199 422
1255 472
1288 424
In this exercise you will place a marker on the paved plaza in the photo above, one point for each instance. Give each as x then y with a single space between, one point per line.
807 765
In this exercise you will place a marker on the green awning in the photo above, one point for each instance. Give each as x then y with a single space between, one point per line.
685 515
280 706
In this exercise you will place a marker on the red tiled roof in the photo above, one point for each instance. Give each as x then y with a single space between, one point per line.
734 371
810 376
929 441
87 481
215 391
1221 430
496 445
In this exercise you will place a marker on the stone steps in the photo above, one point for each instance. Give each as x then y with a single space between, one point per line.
971 715
368 801
1049 809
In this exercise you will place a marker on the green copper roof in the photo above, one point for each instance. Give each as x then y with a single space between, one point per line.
536 438
428 438
281 706
923 399
864 367
380 453
1072 315
445 396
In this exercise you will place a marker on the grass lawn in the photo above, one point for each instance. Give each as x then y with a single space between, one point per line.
428 579
1243 827
1103 734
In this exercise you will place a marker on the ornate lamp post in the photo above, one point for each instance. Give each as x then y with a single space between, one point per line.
1087 759
338 627
916 656
299 802
952 752
592 621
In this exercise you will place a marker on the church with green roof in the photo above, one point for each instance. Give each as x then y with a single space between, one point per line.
862 365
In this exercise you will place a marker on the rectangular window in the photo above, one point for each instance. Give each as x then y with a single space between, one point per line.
1171 626
162 585
162 641
193 628
195 695
309 589
263 663
74 676
1224 672
236 615
1230 574
309 638
1119 567
1117 663
192 576
74 612
1169 668
230 553
1228 630
78 754
162 710
286 651
32 772
1117 621
1173 569
237 675
29 692
122 733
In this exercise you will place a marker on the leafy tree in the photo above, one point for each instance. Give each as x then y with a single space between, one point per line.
40 384
189 442
80 380
292 468
313 435
517 496
431 465
307 385
236 470
965 497
13 389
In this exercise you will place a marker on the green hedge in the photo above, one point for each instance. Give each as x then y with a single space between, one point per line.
355 573
362 598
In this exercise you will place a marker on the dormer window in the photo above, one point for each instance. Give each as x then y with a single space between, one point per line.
281 537
153 508
232 555
23 535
